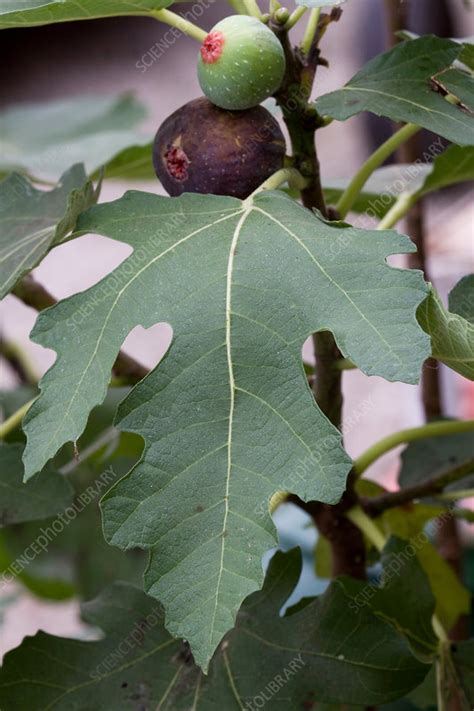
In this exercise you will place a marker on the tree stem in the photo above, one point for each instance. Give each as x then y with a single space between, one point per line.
328 381
374 161
345 539
377 505
183 25
432 429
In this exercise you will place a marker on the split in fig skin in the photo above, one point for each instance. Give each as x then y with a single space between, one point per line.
201 148
241 63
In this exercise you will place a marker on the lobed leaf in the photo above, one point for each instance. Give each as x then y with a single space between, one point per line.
228 418
33 221
408 84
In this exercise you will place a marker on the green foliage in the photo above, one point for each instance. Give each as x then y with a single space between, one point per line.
452 336
33 221
461 298
433 455
402 84
317 651
237 367
46 494
454 165
44 140
227 423
408 523
42 12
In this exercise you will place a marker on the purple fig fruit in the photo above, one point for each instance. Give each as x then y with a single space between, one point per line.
201 148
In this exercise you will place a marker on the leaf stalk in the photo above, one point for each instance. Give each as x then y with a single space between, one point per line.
311 29
285 175
374 161
252 8
432 429
185 26
14 420
399 209
295 17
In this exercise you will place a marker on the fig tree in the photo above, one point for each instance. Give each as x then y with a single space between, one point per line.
201 148
241 63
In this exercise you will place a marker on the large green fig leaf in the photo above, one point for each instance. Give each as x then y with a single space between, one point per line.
452 336
334 649
43 496
44 139
28 13
228 416
409 83
33 221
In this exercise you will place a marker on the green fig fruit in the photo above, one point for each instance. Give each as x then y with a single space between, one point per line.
241 63
201 148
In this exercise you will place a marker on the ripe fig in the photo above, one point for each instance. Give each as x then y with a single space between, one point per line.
241 63
203 149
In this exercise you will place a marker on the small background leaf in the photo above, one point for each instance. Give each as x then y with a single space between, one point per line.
452 336
461 298
454 165
33 221
424 459
46 494
399 85
44 139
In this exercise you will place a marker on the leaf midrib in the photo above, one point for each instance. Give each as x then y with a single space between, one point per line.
117 299
403 100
